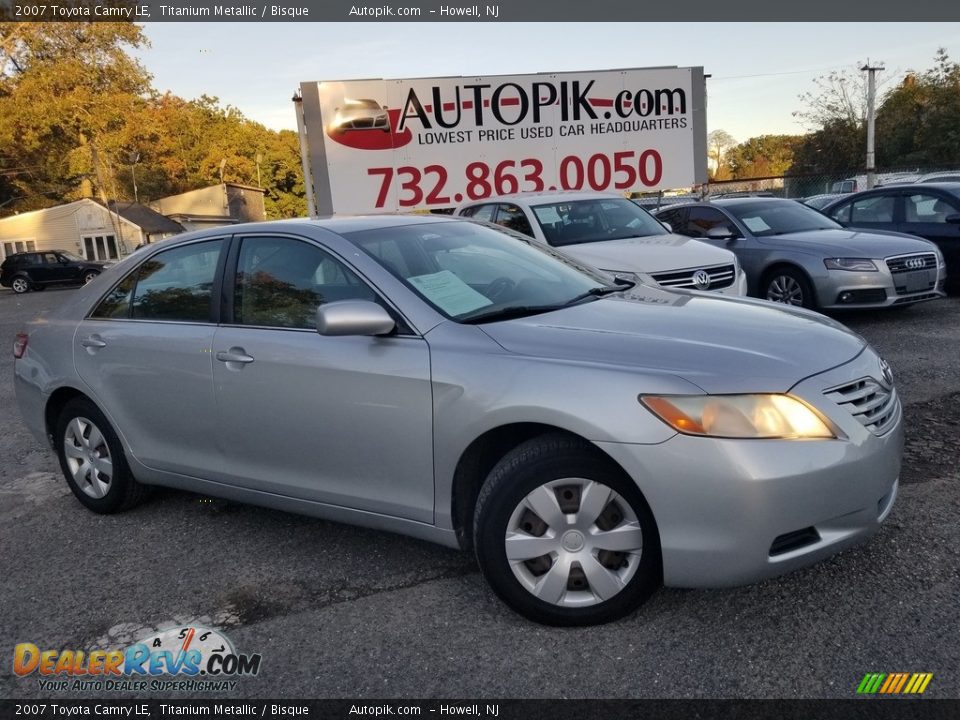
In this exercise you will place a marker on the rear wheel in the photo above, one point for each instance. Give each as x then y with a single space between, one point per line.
20 285
790 287
92 460
563 536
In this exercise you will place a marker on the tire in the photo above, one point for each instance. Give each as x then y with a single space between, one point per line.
20 285
568 578
102 487
89 276
788 286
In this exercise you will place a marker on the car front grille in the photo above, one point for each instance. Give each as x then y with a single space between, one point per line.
721 276
873 405
910 263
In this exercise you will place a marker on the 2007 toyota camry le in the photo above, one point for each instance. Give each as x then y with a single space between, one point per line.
447 380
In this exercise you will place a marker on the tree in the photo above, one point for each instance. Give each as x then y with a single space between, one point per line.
718 142
64 89
918 123
762 156
840 96
838 147
76 113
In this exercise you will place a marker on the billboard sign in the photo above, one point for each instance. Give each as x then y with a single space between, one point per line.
401 145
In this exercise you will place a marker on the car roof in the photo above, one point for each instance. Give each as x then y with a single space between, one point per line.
338 224
953 188
547 196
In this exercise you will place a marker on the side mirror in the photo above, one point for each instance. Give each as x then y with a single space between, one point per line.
353 317
953 218
667 225
719 232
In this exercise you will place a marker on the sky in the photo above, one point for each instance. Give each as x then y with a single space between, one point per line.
757 70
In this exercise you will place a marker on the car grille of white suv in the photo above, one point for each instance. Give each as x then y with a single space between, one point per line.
721 276
869 402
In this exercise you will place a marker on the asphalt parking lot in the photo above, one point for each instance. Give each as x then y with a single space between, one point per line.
338 611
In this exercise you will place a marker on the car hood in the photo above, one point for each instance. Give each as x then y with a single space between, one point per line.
653 254
723 345
852 242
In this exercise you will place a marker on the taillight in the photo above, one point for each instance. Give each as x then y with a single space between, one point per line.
20 345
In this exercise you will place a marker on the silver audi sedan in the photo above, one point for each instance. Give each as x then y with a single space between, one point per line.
442 379
795 255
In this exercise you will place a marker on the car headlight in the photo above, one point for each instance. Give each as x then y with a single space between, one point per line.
739 416
852 264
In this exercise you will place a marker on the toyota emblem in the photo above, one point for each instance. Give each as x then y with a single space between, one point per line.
701 278
915 263
886 372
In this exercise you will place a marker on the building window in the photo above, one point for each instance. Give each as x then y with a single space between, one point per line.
100 247
18 246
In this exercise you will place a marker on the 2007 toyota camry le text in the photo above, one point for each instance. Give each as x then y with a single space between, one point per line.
588 438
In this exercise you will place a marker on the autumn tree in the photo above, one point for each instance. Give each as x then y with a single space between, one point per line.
718 142
65 89
78 117
918 123
762 156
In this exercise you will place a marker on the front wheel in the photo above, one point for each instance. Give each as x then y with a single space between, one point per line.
790 287
92 460
89 276
563 536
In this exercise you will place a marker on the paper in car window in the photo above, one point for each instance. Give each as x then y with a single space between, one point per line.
755 224
449 293
548 215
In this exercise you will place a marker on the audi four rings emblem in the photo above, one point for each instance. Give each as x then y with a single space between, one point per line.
701 278
915 263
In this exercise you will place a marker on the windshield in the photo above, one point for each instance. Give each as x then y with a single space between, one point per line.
779 217
582 221
466 270
70 256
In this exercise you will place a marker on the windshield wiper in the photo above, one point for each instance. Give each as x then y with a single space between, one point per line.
507 313
619 286
517 311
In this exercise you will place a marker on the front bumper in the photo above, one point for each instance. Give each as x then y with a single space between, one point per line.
839 289
721 505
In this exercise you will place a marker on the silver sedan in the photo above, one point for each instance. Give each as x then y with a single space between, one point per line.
795 255
439 378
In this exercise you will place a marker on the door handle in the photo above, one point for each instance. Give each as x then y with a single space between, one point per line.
234 355
93 341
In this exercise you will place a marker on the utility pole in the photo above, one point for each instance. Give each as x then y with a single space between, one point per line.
871 71
134 159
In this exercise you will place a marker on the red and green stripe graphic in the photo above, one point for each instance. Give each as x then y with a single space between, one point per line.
894 683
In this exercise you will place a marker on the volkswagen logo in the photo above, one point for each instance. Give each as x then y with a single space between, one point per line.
886 372
701 278
915 263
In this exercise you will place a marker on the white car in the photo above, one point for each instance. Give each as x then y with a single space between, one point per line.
613 234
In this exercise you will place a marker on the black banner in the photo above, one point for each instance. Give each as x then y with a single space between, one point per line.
468 11
863 709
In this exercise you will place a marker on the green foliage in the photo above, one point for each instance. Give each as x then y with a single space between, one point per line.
919 121
762 156
78 117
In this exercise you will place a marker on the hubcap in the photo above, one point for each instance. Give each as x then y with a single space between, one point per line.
573 542
785 289
89 277
20 285
88 457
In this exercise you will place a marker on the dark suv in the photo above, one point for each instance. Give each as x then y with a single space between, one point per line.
36 270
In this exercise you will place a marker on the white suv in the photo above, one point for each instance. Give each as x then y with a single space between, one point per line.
613 234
